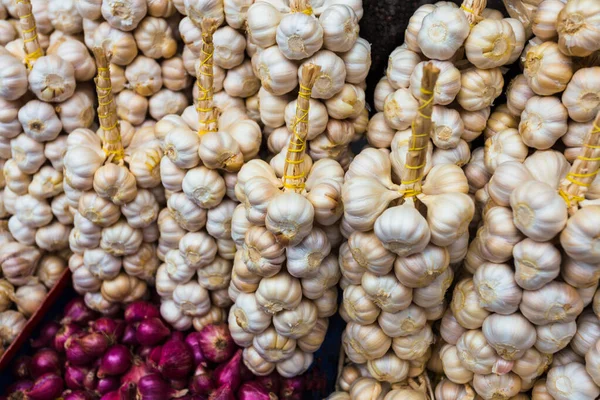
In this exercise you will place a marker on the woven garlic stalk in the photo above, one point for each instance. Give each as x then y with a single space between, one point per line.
283 279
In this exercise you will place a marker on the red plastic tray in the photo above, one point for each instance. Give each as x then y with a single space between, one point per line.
35 319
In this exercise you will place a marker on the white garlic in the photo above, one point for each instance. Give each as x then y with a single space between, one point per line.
443 32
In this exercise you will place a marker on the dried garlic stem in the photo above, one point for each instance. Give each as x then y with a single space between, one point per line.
31 44
473 10
341 363
207 116
302 6
584 169
422 125
293 178
107 109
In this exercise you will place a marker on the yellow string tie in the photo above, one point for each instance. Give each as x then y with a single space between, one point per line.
297 143
470 11
308 11
205 94
569 198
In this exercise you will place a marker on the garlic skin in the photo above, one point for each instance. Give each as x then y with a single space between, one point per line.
340 27
431 296
357 61
506 145
540 218
419 270
443 32
554 337
577 239
547 69
279 292
500 120
475 353
554 302
543 122
370 253
545 18
571 381
11 324
479 88
39 121
185 212
400 108
465 305
256 363
450 329
536 263
388 368
382 90
13 78
582 95
497 386
402 63
277 74
414 26
490 44
588 333
124 16
386 292
404 240
365 342
299 35
331 77
498 292
298 322
576 37
52 79
519 92
27 153
272 346
358 307
29 298
454 369
262 22
409 321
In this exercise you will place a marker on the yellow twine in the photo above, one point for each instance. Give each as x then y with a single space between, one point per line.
308 11
413 147
470 11
297 143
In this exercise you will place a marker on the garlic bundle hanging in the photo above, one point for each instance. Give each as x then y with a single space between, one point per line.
111 212
398 274
284 277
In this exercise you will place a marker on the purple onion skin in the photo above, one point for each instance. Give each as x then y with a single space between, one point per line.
189 397
228 374
113 328
138 370
22 368
222 393
47 334
20 386
77 312
108 384
177 335
176 359
129 335
202 382
151 332
216 343
46 387
271 382
254 391
192 339
245 373
77 395
115 361
291 387
64 334
128 391
141 310
153 357
94 344
153 387
76 354
114 395
44 361
178 384
77 377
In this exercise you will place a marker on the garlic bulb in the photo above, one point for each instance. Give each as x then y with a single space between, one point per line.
124 15
588 332
331 76
491 44
27 153
494 386
465 305
39 121
578 236
554 302
500 120
358 307
498 292
571 381
365 342
543 122
576 37
536 263
479 88
298 322
409 321
554 337
299 35
262 23
401 64
581 97
388 368
52 79
272 346
278 75
453 366
419 270
280 292
443 32
256 363
405 240
340 27
296 365
546 69
506 145
476 354
519 92
414 26
11 324
400 109
29 298
545 18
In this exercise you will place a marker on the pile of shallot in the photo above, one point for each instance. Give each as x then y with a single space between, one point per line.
133 355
